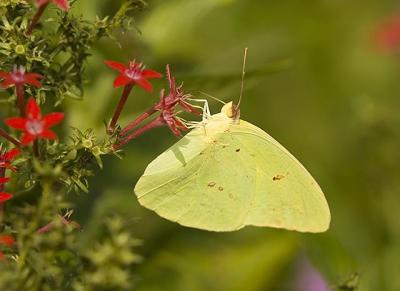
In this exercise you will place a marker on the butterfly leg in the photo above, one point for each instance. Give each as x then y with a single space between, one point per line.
206 108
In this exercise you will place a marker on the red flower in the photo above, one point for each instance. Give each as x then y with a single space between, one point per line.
175 96
34 125
4 180
6 159
388 34
134 73
7 240
5 197
62 4
168 115
19 77
166 106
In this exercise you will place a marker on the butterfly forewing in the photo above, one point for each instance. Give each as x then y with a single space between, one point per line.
228 175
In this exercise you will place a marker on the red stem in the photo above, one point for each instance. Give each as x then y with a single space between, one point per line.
36 18
152 124
8 137
2 174
118 110
138 120
50 225
19 90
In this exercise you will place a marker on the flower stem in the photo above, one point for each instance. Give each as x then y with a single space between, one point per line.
152 124
8 137
19 90
36 148
2 174
118 110
50 225
138 120
36 18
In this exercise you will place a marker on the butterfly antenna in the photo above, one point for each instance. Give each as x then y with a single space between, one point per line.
243 74
212 97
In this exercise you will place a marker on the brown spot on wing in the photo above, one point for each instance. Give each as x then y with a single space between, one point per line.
278 177
211 184
237 150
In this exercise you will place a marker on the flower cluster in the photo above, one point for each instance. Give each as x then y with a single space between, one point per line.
128 76
135 74
6 159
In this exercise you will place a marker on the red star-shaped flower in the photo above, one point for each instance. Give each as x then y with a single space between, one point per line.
62 4
7 158
34 125
19 77
134 73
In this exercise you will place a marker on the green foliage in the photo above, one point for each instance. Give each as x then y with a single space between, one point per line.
49 253
60 49
114 250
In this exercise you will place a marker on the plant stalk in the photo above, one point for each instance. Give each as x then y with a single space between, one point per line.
118 110
36 18
138 120
152 124
19 91
8 137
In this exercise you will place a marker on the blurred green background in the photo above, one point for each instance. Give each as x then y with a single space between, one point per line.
315 82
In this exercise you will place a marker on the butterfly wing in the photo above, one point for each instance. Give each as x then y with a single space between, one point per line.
226 176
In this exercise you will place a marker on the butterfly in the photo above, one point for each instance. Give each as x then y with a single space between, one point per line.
226 174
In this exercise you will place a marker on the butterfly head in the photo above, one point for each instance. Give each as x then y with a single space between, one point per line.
231 111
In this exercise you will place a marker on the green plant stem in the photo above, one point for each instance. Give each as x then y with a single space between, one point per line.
36 18
35 223
118 110
36 148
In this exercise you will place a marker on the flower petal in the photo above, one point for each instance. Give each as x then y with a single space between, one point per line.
11 154
8 166
122 80
52 119
8 82
188 107
142 82
116 66
4 180
7 240
48 134
32 109
27 138
4 75
33 80
62 4
5 196
151 74
16 122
